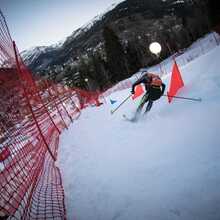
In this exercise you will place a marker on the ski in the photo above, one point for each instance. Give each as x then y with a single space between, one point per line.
134 119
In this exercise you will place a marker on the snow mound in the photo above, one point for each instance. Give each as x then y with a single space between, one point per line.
164 167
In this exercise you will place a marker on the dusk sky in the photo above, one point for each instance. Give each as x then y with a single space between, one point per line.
44 22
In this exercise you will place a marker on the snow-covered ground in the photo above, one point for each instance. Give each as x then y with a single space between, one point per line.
166 166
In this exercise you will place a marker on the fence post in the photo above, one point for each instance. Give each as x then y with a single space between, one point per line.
45 108
60 101
58 110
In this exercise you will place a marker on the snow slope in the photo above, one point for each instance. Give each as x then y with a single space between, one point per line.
164 167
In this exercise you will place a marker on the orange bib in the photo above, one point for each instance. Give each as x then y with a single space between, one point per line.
155 80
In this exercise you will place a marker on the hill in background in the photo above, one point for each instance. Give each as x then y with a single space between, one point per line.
125 31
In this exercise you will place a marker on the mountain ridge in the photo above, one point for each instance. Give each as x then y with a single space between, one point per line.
175 24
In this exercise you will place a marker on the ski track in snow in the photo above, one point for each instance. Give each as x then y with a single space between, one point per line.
164 167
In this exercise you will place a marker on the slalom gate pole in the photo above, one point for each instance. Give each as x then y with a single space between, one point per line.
112 111
180 97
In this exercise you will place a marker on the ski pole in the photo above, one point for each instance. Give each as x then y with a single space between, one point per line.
180 97
112 111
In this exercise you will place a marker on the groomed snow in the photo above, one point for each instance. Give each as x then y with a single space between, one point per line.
166 166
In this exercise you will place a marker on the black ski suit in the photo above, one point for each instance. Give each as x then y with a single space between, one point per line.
152 92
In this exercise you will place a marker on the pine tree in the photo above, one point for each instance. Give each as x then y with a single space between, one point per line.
100 73
133 61
115 55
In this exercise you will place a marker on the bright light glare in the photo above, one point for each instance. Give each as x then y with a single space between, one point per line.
155 48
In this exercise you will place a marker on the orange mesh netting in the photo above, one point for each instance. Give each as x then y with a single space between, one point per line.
32 115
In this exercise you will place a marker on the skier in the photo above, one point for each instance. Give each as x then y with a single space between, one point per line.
154 90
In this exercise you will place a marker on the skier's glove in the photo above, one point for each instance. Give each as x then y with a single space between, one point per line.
132 91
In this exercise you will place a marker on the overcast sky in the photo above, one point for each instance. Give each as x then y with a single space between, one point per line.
44 22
